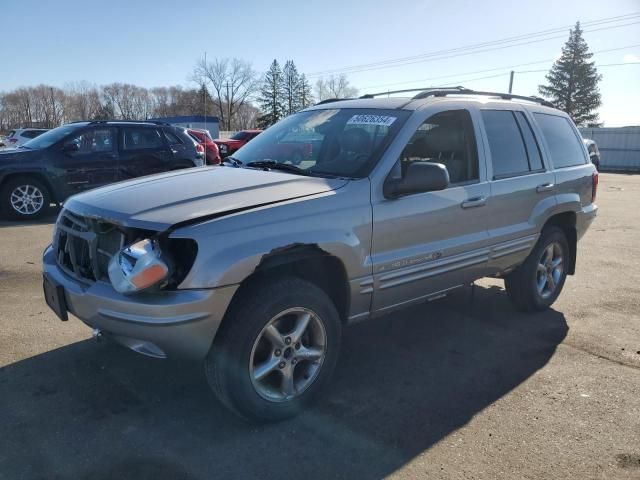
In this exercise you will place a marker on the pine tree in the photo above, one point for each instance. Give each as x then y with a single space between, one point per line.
291 80
305 93
573 81
271 94
204 101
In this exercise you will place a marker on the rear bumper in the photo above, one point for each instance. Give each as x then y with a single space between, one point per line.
584 218
179 324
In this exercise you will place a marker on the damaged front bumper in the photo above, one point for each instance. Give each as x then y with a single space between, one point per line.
178 323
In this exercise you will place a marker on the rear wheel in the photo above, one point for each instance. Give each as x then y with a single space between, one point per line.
276 351
25 198
537 283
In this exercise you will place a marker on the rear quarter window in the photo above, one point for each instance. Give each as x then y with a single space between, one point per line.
564 145
172 138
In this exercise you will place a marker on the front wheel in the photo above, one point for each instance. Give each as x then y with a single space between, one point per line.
276 350
25 198
537 283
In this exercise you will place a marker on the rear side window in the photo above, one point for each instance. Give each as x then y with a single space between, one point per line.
564 145
140 138
172 138
508 153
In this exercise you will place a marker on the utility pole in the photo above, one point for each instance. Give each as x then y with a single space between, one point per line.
228 108
511 81
204 104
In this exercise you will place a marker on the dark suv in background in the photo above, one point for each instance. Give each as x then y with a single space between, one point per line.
84 155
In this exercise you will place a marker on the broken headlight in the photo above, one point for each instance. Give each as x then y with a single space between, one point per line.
138 267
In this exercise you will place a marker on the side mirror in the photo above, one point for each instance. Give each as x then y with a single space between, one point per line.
70 147
419 177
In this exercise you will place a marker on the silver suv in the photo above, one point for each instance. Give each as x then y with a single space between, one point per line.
255 266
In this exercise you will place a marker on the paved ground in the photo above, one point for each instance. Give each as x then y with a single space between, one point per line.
458 388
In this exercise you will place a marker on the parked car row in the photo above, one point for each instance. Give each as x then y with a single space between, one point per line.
80 156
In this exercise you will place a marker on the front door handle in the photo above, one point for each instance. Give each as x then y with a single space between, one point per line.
545 187
474 202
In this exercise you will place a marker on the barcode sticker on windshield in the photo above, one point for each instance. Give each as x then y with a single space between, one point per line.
382 120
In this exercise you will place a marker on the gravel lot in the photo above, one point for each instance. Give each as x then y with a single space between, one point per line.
464 387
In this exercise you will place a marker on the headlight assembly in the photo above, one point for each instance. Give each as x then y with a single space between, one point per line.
138 267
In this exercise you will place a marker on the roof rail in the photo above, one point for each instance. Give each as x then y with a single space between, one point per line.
153 122
442 92
331 100
409 90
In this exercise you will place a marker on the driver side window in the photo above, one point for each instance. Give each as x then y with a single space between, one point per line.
95 140
446 138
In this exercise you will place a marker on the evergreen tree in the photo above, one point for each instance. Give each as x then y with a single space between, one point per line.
271 95
573 81
204 101
291 90
305 93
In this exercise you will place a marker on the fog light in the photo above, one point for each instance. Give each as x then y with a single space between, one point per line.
137 267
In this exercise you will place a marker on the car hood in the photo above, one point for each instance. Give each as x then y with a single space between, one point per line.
158 202
17 155
227 141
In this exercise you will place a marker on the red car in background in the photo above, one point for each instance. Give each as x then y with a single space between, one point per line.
229 145
212 154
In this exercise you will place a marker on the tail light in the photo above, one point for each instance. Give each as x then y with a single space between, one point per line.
594 186
13 140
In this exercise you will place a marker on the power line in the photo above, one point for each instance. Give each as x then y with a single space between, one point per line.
507 67
597 66
480 47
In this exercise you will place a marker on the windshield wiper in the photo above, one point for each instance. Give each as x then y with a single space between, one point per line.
273 165
233 161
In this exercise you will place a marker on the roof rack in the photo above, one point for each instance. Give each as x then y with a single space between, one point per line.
129 121
408 90
443 92
331 100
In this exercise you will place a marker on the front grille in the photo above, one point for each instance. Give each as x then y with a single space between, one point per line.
85 245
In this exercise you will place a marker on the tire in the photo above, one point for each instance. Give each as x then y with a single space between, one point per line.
523 285
243 348
37 192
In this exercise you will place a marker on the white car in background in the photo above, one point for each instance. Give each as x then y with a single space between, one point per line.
17 137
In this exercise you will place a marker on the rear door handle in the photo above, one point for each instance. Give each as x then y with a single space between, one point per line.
474 202
545 187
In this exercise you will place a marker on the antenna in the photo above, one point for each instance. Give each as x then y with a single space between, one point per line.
204 102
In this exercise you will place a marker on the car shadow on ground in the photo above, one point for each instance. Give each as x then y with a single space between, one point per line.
47 219
404 382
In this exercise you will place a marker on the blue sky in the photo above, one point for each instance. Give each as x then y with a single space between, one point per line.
153 43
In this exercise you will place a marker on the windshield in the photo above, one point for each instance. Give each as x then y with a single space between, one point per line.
336 142
49 138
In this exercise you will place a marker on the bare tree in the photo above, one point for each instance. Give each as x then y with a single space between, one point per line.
335 86
232 83
83 101
247 116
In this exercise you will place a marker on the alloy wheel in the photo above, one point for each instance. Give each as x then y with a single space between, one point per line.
550 269
287 355
27 199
